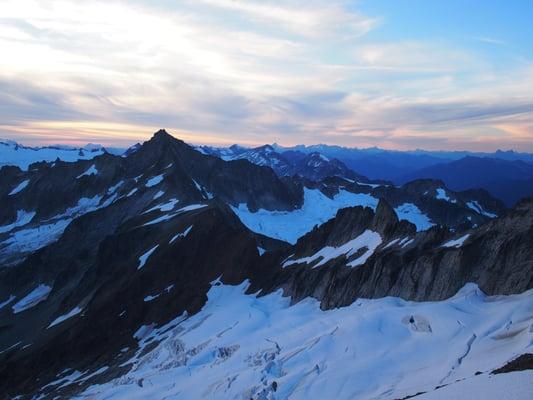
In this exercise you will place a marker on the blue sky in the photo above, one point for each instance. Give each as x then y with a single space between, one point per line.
398 74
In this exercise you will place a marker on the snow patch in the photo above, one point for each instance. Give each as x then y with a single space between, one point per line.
23 218
290 225
156 180
456 242
19 188
8 301
37 295
474 205
165 207
91 171
31 239
70 314
368 240
158 195
145 256
132 192
411 213
114 188
441 194
180 235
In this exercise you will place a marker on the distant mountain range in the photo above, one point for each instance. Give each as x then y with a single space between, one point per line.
507 175
376 163
508 180
314 166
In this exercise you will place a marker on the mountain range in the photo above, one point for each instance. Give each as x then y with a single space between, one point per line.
173 271
507 175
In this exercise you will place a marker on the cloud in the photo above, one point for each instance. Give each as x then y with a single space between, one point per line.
225 71
489 40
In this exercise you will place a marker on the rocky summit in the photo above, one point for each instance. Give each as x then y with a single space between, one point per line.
175 272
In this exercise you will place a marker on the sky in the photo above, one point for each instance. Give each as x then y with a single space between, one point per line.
397 74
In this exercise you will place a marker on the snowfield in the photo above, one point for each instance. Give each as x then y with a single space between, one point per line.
290 225
12 153
40 293
474 205
37 236
90 171
456 242
367 241
19 188
61 318
242 346
412 213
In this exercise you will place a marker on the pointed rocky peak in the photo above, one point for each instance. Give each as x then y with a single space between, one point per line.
385 214
265 148
163 138
162 142
162 133
235 148
132 149
387 223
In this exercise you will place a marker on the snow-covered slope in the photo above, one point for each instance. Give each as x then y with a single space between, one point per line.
12 153
290 225
246 347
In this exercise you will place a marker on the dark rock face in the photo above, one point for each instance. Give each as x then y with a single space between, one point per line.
116 295
317 167
155 231
498 257
521 363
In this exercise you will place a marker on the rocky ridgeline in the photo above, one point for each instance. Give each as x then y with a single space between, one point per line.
123 242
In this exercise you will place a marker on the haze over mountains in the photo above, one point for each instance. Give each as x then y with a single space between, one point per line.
167 272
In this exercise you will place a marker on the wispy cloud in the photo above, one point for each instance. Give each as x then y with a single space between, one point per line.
222 71
490 40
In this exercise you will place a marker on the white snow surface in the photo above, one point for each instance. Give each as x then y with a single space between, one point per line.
61 318
13 154
23 218
19 188
474 205
156 180
164 207
31 239
413 214
35 237
8 301
290 225
159 194
239 346
511 386
145 256
90 171
180 235
166 217
441 195
37 295
456 242
368 240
